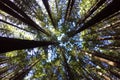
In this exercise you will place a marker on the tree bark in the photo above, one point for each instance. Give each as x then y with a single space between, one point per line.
5 70
94 8
115 73
68 72
111 27
108 38
24 71
69 8
106 58
113 7
10 8
10 44
15 26
67 69
46 4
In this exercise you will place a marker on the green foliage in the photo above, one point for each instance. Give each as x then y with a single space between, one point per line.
83 56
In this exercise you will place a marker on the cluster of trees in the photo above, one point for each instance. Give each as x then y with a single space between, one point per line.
59 39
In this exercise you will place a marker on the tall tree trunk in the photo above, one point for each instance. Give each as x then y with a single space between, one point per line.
111 16
67 69
112 27
24 71
47 6
111 70
15 26
106 58
10 44
93 9
113 7
69 8
110 47
10 8
68 72
56 3
115 73
3 62
6 69
108 38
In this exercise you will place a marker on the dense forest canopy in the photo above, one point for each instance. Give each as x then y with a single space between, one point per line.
59 39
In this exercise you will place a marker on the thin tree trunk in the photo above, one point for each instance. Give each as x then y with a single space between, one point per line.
68 69
3 62
112 27
111 58
69 8
110 47
89 73
86 75
10 44
68 72
56 2
81 64
5 70
9 74
115 73
106 58
24 71
15 26
109 70
93 9
109 38
46 4
110 63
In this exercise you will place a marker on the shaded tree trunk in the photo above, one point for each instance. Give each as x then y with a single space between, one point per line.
110 47
68 72
115 73
69 8
113 7
10 8
15 26
46 4
108 38
106 58
10 44
7 69
94 8
24 71
111 27
111 70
